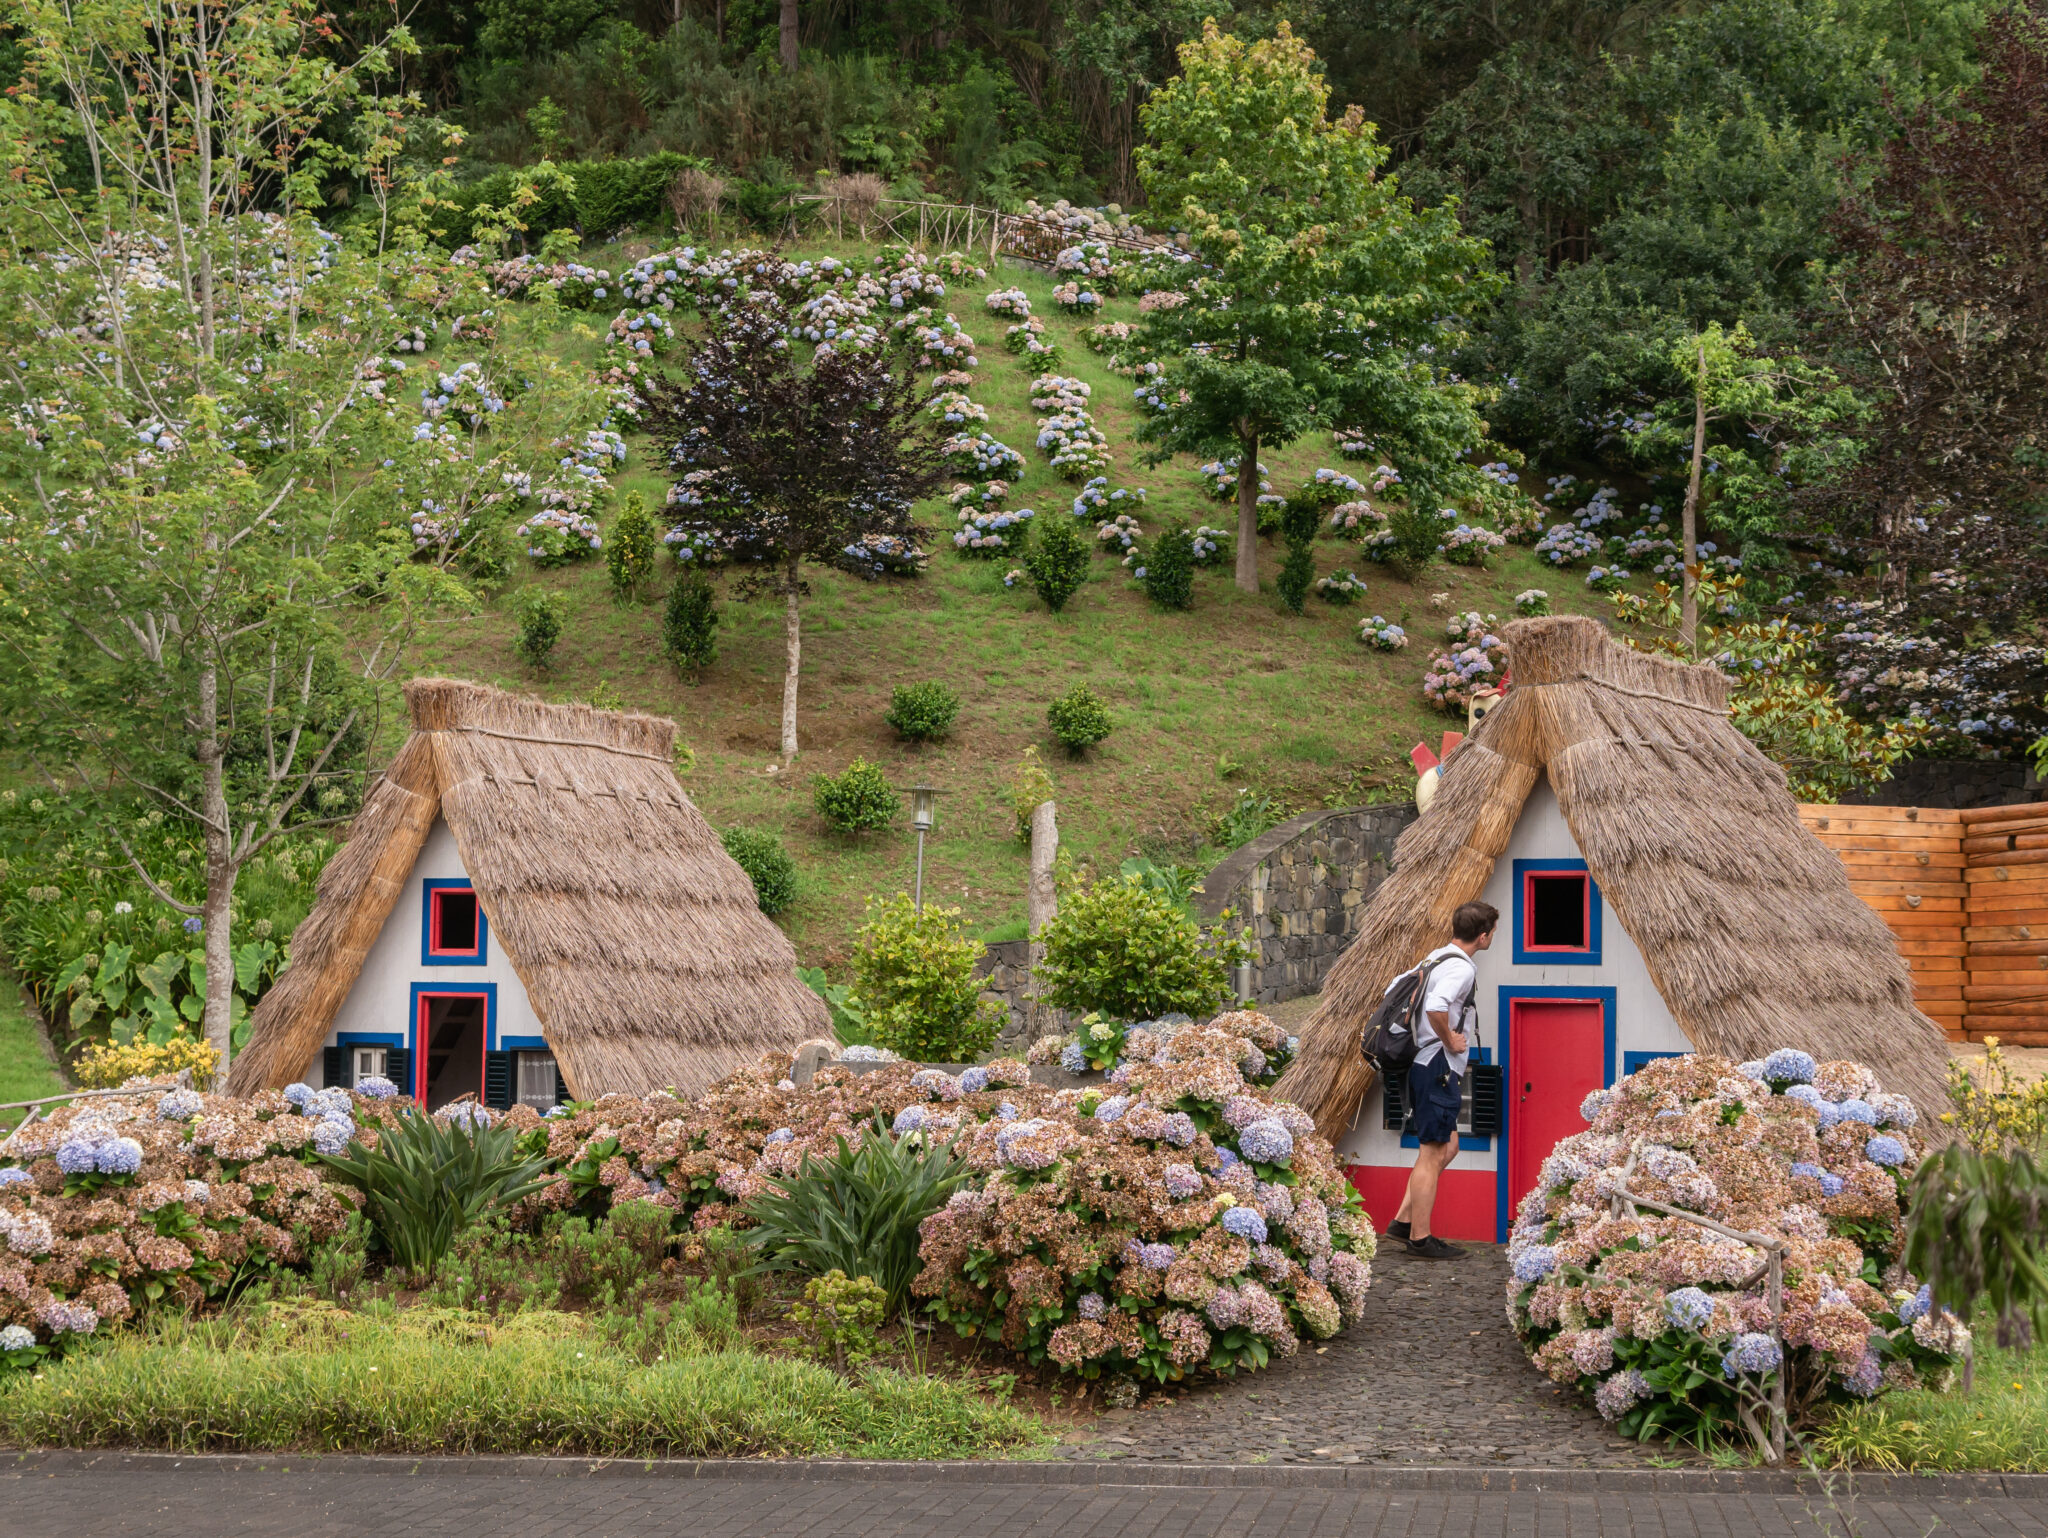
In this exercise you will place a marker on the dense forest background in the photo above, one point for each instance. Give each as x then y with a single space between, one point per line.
1641 169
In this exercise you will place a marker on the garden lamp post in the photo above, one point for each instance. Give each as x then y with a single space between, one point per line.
924 808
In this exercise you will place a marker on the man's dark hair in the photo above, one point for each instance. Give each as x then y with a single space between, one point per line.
1473 920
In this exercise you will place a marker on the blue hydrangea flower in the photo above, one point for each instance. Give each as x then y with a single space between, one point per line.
1006 1112
1266 1142
973 1081
1092 1305
78 1156
1224 1159
1595 1103
910 1119
779 1135
331 1136
1830 1113
179 1105
1918 1306
1157 1257
1830 1185
1245 1223
298 1094
1810 1171
15 1175
1806 1095
374 1086
1885 1150
1179 1129
118 1156
1787 1065
1181 1181
1752 1352
1689 1308
1535 1263
1856 1110
1073 1059
16 1338
1753 1069
1112 1108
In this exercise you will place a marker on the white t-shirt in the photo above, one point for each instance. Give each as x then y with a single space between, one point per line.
1451 985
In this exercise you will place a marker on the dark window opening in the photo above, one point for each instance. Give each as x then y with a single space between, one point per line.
454 921
455 1032
1558 913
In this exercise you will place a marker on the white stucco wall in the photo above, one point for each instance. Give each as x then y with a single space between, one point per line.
380 1003
1642 1022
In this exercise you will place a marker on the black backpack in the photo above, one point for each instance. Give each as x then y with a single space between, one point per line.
1389 1042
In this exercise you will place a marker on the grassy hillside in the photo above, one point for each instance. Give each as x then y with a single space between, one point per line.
1235 693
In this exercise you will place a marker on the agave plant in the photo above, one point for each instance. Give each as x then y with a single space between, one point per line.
857 1211
428 1179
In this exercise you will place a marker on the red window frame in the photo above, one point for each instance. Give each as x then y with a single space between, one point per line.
1528 936
434 945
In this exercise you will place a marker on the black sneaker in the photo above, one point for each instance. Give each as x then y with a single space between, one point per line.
1430 1247
1398 1230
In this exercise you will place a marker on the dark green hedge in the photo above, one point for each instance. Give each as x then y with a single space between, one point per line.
609 194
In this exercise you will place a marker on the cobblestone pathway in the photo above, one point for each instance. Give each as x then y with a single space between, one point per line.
1431 1375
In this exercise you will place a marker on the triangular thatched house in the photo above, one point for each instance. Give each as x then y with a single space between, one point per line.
528 907
1658 894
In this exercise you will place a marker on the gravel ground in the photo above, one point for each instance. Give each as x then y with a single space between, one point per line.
1432 1374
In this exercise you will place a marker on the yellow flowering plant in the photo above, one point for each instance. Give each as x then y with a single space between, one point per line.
107 1065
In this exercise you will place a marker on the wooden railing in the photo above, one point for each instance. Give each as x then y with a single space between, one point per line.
966 227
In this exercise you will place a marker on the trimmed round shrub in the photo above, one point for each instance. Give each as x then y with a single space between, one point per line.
1079 718
913 974
859 800
767 864
1168 575
1057 562
542 616
1123 950
923 712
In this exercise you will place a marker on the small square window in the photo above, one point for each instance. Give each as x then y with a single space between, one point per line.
370 1063
454 921
537 1082
1559 916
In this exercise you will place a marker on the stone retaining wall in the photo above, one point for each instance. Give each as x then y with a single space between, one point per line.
1301 888
1955 783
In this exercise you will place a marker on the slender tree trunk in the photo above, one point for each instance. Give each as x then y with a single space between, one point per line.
789 49
792 645
220 873
1248 514
1688 600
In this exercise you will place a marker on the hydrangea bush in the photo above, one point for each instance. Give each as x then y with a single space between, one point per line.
1382 634
1476 658
1668 1325
108 1206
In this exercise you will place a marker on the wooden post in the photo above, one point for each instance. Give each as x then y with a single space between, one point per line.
1041 898
1776 1285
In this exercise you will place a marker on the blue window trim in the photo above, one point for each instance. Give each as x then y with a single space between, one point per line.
1590 957
428 887
523 1044
1509 992
1631 1061
488 992
1467 1143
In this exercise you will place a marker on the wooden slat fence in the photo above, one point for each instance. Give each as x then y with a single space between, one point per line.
964 227
1966 896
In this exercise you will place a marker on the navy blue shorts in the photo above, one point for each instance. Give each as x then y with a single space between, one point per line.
1434 1095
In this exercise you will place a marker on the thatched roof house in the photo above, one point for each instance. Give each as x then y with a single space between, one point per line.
1740 920
528 905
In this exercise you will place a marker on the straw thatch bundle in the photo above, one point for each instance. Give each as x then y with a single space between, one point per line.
1744 919
637 938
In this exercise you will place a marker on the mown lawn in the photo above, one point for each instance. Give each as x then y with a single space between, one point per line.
26 1072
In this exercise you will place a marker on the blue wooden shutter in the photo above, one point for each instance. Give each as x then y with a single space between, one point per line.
398 1068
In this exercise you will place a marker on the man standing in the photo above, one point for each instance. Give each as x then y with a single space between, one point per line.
1436 1079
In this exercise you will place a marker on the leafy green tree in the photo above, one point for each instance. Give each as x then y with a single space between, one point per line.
689 624
201 580
629 549
1057 561
1320 295
1168 574
1300 521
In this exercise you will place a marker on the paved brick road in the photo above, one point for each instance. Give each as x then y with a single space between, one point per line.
73 1502
1431 1376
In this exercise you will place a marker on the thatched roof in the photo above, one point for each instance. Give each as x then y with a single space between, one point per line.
637 937
1745 920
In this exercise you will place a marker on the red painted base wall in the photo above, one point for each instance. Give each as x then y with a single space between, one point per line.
1465 1206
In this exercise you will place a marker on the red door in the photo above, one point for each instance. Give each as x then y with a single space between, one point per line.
1557 1051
